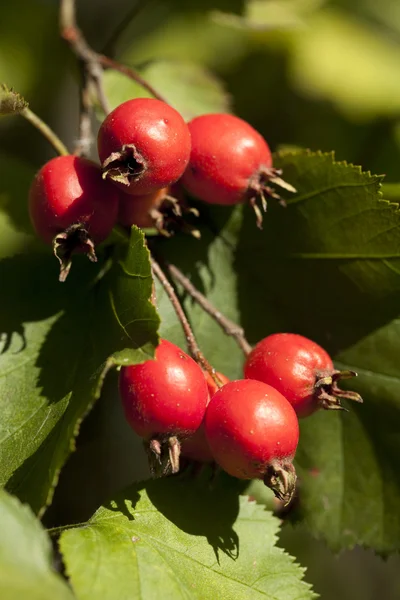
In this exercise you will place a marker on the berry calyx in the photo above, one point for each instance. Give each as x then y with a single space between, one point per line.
230 163
301 370
196 446
72 208
164 401
253 433
144 145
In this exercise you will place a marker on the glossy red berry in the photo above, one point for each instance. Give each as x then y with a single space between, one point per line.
164 399
72 207
253 433
144 145
196 447
301 370
230 161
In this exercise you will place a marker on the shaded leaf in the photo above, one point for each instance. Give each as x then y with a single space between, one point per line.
56 350
327 267
26 556
331 266
267 15
185 533
362 56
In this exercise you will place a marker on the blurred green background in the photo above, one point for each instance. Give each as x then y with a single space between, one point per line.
312 73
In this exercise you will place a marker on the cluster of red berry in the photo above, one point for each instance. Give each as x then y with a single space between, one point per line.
249 427
145 147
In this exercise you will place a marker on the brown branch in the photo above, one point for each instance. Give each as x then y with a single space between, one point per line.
95 62
228 326
132 74
190 338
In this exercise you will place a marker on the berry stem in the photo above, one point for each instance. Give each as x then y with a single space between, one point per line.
45 130
94 61
190 337
228 326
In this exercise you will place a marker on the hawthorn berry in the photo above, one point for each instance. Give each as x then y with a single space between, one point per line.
253 433
72 207
144 145
164 402
301 370
196 446
142 211
230 163
164 210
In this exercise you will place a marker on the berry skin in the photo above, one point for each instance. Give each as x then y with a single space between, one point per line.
144 145
164 400
72 207
300 370
253 433
196 447
230 162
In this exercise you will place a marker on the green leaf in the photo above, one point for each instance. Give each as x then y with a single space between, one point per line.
56 350
361 79
25 556
184 533
10 101
328 267
331 266
267 15
210 265
15 227
188 87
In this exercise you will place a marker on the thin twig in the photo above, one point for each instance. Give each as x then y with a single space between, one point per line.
123 25
228 326
45 130
190 338
131 73
72 34
82 147
95 62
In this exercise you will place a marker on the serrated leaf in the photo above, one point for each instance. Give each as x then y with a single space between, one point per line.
10 101
185 534
56 349
188 87
26 555
327 267
331 265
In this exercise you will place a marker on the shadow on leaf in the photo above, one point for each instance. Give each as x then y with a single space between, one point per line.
201 506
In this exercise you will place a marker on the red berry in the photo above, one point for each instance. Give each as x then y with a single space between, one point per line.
301 370
144 145
230 162
253 432
72 207
164 399
196 447
141 211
